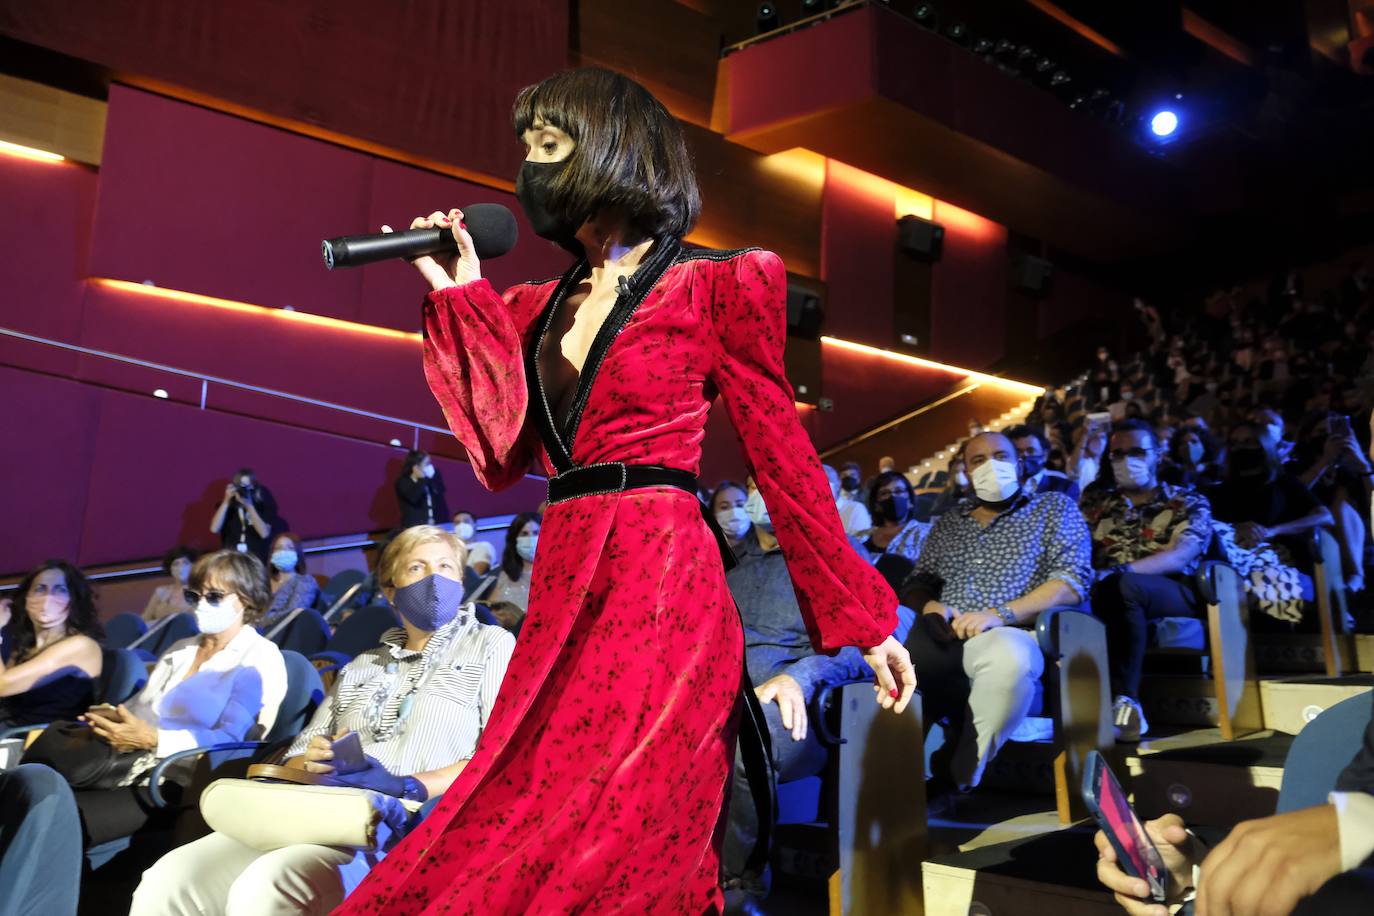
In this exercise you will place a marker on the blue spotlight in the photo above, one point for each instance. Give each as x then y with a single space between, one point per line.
1163 123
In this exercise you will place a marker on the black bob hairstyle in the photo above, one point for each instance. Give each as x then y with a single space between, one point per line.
629 153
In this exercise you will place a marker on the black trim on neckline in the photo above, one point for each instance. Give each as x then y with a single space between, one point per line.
559 443
712 254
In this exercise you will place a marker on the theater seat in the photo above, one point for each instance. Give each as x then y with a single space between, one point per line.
121 630
1178 633
1077 697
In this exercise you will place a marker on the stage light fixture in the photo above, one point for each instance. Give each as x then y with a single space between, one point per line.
766 20
812 7
1164 123
957 32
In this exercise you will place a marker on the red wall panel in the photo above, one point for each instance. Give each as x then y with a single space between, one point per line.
196 200
44 467
858 243
969 290
106 476
45 217
430 77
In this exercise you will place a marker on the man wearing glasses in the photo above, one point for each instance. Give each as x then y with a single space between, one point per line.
1148 537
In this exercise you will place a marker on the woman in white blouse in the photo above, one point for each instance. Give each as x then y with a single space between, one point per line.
221 686
418 703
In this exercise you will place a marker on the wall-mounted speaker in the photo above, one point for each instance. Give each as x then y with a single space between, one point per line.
1031 275
805 311
920 237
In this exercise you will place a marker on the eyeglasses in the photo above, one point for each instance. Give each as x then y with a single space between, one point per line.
1116 453
212 598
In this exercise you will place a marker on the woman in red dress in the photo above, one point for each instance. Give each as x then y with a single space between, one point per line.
600 780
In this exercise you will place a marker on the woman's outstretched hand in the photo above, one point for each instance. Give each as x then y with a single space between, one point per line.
447 270
896 677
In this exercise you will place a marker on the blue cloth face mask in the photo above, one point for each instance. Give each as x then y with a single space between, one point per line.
285 560
430 603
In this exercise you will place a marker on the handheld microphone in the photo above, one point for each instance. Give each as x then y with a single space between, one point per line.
491 226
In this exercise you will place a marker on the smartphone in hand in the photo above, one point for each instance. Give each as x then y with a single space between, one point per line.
1135 853
348 755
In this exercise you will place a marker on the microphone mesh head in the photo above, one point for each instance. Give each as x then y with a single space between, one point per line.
492 228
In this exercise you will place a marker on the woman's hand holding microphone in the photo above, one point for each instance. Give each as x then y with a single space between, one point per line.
447 270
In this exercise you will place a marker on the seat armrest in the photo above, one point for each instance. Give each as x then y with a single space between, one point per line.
818 705
336 661
14 731
155 780
1206 579
1047 627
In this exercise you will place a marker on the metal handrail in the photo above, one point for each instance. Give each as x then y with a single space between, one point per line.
205 380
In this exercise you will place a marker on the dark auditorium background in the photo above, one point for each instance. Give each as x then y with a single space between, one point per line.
210 146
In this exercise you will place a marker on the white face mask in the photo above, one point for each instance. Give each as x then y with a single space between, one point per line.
427 470
734 521
212 620
1132 473
995 480
1195 452
1087 470
466 531
525 545
758 512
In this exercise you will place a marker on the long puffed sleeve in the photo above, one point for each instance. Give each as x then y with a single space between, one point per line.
474 363
843 603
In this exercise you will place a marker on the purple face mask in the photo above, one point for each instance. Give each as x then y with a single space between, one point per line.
430 603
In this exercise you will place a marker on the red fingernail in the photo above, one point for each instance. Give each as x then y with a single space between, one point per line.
893 694
462 225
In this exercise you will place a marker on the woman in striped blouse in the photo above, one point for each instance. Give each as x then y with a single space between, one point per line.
418 702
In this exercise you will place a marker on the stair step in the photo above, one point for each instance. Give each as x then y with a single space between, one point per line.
1302 652
1011 878
1290 703
1209 782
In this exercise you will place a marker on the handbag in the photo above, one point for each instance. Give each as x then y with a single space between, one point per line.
83 759
279 806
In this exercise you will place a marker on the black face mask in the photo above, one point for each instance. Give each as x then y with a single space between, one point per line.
532 192
1032 465
849 484
894 508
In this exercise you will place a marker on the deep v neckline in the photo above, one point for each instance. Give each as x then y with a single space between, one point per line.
558 441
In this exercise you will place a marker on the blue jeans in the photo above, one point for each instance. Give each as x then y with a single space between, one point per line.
40 844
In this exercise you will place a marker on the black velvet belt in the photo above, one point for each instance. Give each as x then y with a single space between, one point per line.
616 477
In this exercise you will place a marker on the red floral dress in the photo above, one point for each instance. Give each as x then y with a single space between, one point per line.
599 782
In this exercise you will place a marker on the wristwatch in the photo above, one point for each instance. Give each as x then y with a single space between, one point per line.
414 790
1008 615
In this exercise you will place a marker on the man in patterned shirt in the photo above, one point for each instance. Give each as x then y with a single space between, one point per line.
1148 537
989 566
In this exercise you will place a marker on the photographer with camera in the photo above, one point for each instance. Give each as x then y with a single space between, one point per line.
246 516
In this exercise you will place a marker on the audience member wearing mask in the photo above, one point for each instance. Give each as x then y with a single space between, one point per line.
786 671
465 529
853 513
246 516
49 640
1148 537
987 570
509 594
292 587
170 599
224 685
420 491
728 506
1032 448
957 487
1315 861
419 702
1272 429
1329 460
1264 503
1193 460
845 485
895 529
